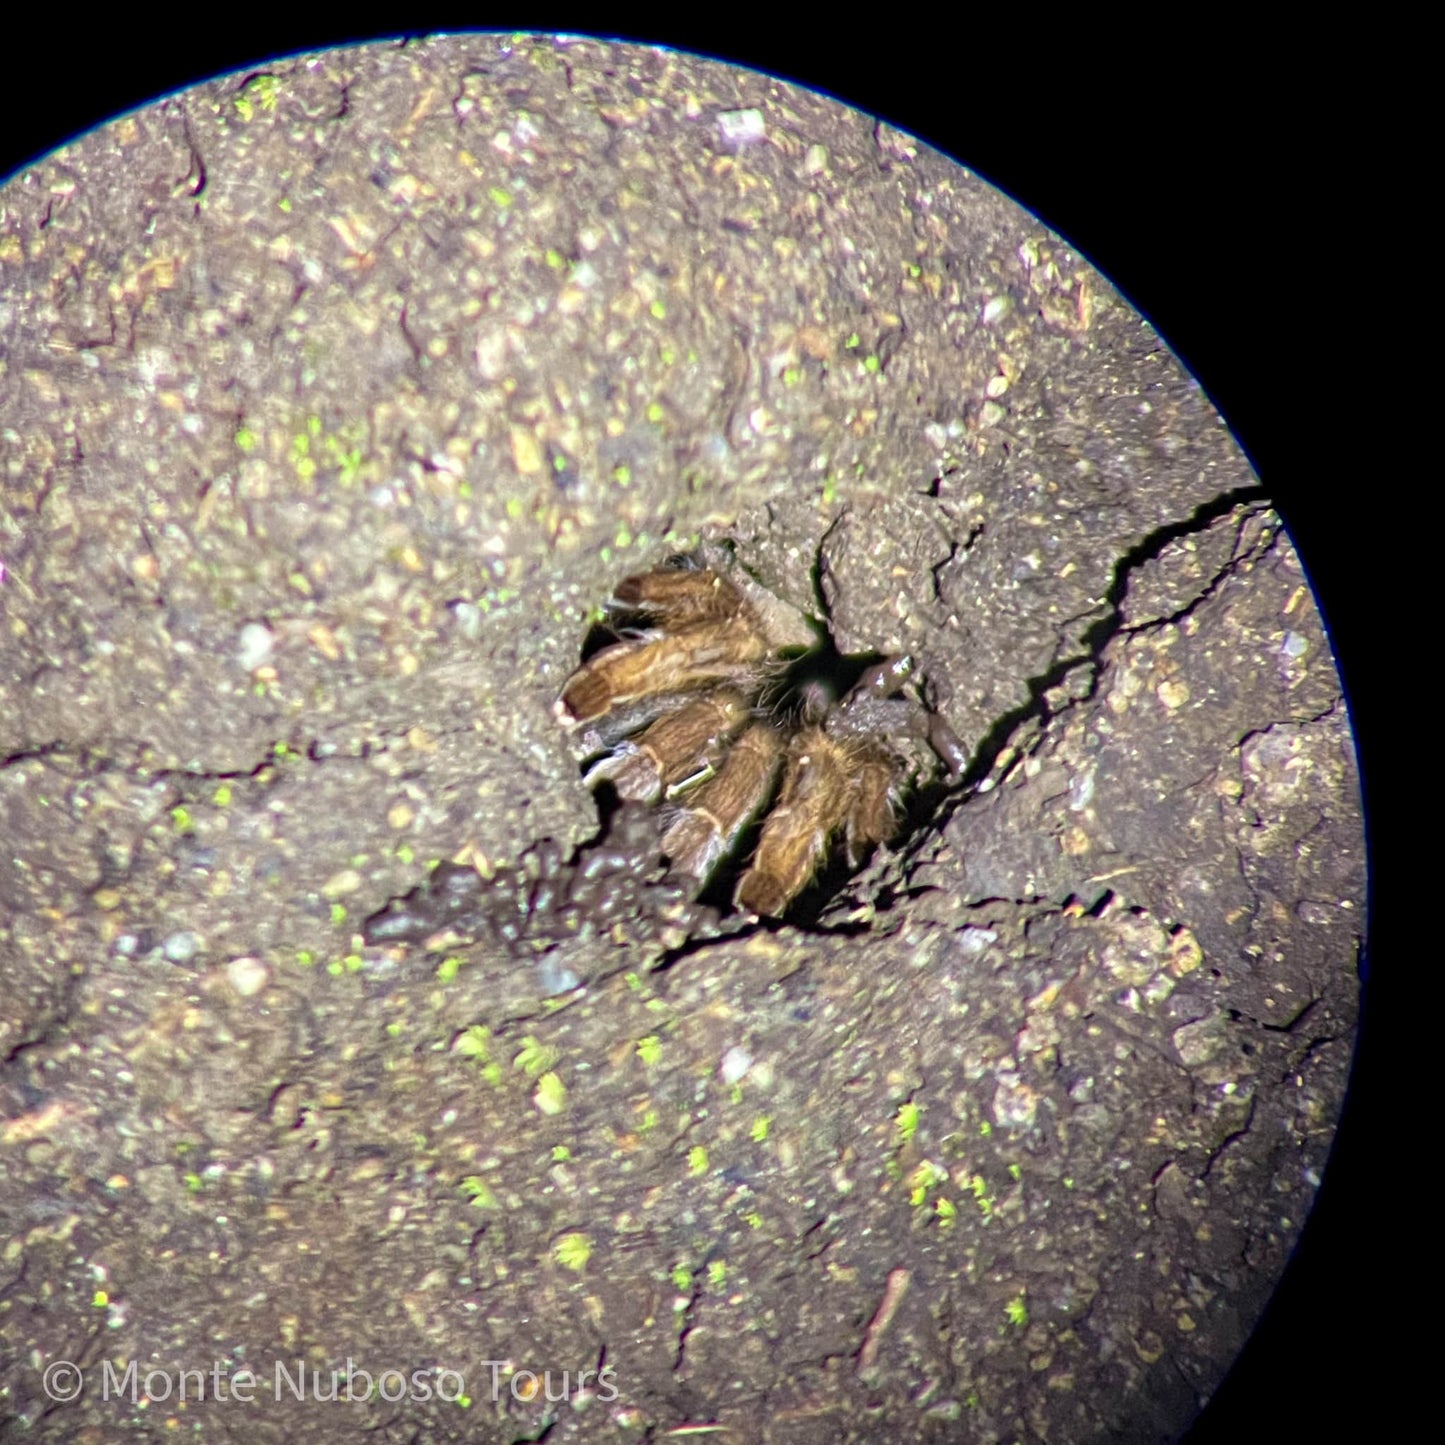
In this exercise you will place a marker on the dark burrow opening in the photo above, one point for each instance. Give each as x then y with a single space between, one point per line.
811 683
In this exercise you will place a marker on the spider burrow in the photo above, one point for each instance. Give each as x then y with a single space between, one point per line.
708 706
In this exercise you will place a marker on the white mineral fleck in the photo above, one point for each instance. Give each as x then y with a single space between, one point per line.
256 645
248 976
735 1063
742 127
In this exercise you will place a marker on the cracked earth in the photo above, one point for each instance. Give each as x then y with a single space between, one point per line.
334 399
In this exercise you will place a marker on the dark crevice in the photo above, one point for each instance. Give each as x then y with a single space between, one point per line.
1307 1053
684 1321
735 926
1294 1021
1217 1152
34 751
815 573
1097 637
1212 587
1325 714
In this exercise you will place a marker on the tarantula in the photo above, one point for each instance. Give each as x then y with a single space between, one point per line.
703 705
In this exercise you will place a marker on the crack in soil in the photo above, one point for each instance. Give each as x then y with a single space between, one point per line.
1099 634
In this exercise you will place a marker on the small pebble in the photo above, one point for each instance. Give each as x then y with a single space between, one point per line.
256 645
554 978
1081 790
469 619
742 127
975 940
735 1063
248 976
342 883
181 947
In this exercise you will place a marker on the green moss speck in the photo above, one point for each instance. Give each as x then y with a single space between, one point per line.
649 1050
245 439
697 1162
479 1192
1017 1311
762 1127
222 796
338 913
551 1094
474 1043
681 1278
348 465
925 1178
535 1058
978 1187
447 968
905 1121
572 1250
